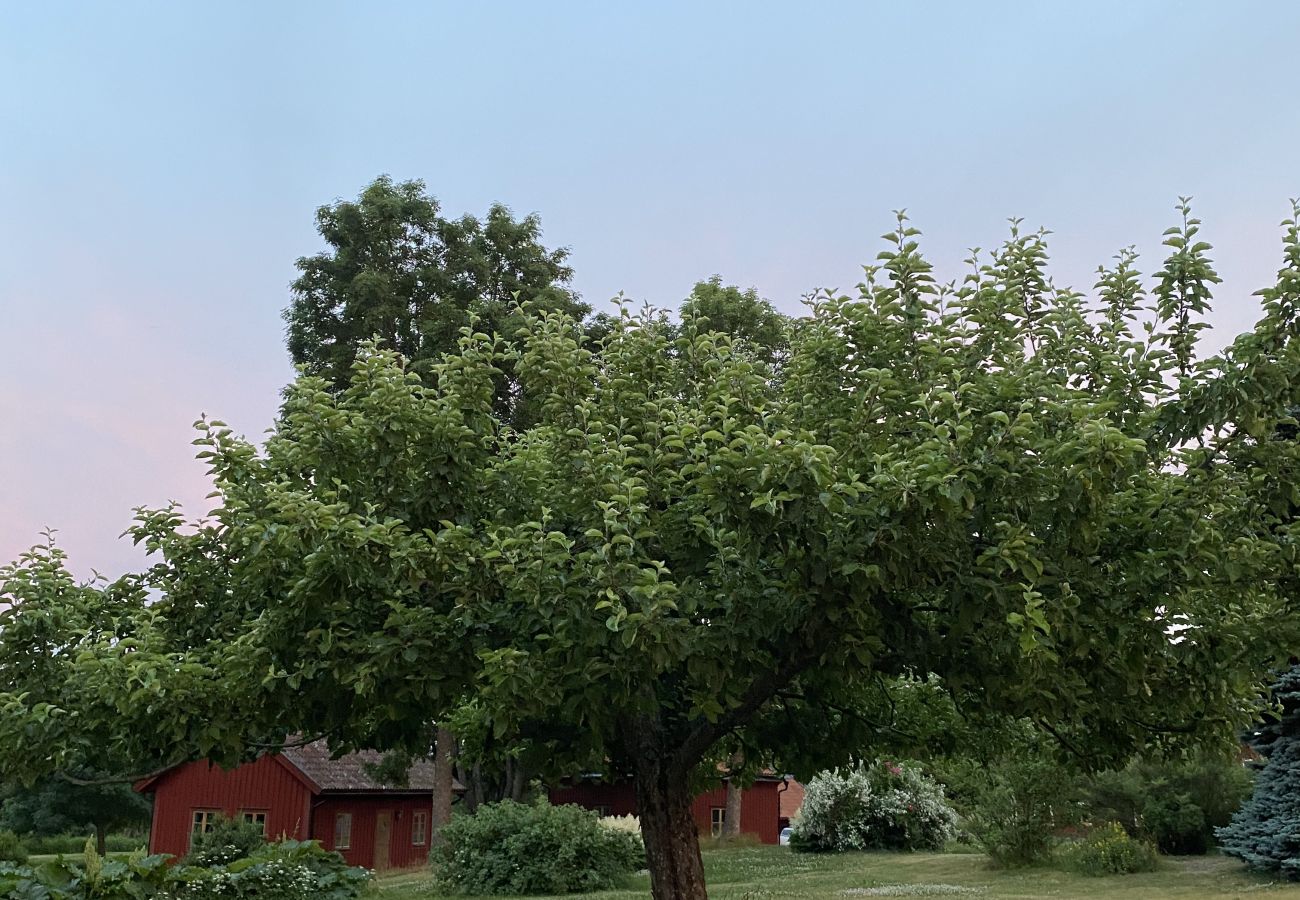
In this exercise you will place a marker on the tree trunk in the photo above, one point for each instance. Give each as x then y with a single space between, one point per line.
444 768
518 782
476 776
672 843
101 839
463 776
731 818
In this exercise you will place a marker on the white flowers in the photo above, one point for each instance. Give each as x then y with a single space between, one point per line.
883 806
628 823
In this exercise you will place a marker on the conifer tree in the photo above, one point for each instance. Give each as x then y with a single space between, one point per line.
1265 832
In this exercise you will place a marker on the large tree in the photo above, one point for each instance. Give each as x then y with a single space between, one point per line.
1265 831
1040 503
59 805
396 269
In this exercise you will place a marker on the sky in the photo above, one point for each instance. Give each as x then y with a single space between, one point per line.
160 165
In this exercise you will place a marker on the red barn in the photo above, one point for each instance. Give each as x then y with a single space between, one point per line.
760 810
300 793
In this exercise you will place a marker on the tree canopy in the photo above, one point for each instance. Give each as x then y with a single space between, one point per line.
1056 507
397 270
55 805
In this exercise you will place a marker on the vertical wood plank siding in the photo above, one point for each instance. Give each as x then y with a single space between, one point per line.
402 853
292 811
759 813
261 786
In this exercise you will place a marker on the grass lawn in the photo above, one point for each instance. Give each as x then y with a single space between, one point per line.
757 872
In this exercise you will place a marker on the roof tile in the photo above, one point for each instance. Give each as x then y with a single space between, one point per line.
348 772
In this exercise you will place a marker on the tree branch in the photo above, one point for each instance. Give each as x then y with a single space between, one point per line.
116 779
705 733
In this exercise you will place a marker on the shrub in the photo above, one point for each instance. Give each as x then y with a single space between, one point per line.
11 848
1019 807
1176 824
1177 804
90 875
513 848
50 844
882 807
229 840
1109 850
290 870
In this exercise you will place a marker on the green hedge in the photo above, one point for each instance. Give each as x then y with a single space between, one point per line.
12 850
43 845
1176 804
513 848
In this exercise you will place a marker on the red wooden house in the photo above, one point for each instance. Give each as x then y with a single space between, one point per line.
760 810
300 793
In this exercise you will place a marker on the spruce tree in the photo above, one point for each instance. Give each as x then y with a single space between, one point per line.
1265 832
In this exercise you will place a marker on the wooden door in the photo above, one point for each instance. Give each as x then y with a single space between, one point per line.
383 838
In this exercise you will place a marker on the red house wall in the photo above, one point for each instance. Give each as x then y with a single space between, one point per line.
364 809
759 810
791 801
261 786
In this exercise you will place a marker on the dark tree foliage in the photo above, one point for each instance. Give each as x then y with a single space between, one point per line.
1177 803
54 805
1265 832
398 270
751 322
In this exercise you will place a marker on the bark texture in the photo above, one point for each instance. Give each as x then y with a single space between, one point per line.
663 799
731 820
443 782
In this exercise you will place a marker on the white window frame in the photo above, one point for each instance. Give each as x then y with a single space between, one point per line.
419 829
201 822
254 817
717 820
343 819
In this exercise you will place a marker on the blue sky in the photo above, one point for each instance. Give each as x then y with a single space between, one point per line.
160 164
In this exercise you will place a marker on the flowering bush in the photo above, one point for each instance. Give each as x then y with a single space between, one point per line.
1109 851
289 870
228 840
515 848
884 806
630 824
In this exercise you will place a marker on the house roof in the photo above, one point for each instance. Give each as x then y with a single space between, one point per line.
348 772
313 766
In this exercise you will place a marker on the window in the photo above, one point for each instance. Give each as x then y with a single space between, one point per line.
717 817
603 811
203 821
254 818
419 829
343 831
